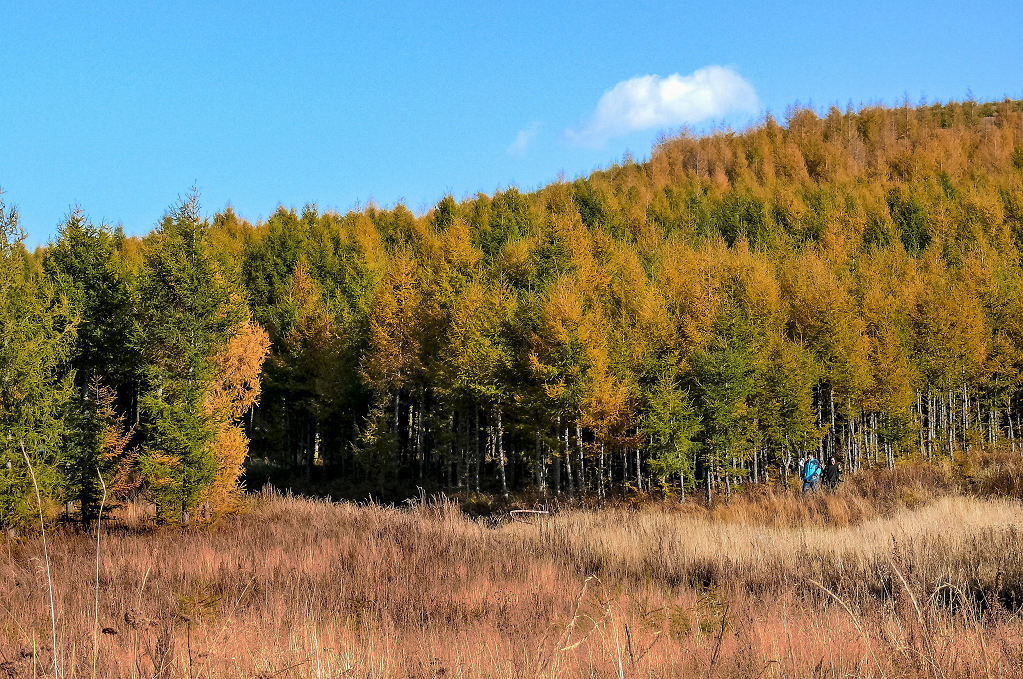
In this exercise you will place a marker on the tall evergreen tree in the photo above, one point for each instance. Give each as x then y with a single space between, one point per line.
36 334
81 266
187 316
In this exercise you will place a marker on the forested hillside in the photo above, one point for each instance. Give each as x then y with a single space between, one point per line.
849 284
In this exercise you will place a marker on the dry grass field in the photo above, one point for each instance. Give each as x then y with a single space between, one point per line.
888 577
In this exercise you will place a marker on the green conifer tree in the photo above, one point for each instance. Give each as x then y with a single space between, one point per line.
35 339
187 316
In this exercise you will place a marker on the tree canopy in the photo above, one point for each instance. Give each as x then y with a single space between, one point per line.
847 284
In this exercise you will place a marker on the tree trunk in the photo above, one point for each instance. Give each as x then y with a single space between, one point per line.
787 461
930 424
499 442
707 482
556 472
681 486
397 426
832 434
558 459
951 427
478 455
874 438
639 472
463 446
920 420
992 423
579 451
419 440
625 468
568 459
538 467
1012 431
850 442
452 465
966 418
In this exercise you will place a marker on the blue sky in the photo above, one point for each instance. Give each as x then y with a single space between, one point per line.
120 107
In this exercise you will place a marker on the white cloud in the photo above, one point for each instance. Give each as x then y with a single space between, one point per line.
650 101
523 139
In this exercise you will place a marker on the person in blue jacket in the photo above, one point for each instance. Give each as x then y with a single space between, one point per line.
811 474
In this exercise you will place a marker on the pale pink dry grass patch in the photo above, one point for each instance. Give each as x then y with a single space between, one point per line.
304 588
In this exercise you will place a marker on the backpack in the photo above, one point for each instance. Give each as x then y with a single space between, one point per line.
811 469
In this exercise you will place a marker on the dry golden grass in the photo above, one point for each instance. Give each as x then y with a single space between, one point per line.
303 588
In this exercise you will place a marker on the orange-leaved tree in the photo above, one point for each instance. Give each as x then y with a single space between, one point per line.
234 390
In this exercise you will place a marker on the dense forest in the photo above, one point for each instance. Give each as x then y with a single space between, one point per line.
849 284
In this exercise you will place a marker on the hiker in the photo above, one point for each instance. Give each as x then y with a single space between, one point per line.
811 474
832 474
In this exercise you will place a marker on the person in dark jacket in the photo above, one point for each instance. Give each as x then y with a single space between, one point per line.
832 473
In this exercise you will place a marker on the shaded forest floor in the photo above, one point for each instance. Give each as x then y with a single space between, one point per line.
912 573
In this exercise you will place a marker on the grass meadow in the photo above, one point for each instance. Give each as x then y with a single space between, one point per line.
893 575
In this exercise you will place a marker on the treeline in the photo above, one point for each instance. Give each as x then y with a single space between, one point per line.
849 284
